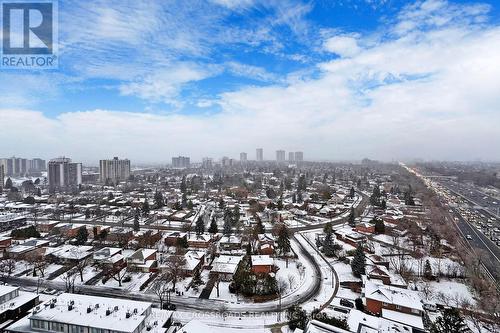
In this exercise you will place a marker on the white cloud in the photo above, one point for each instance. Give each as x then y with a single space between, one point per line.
344 46
431 92
253 72
165 85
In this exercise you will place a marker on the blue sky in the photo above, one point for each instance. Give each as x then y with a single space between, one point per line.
339 80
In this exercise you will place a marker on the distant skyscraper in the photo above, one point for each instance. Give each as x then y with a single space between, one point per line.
15 166
243 157
62 173
291 156
2 175
260 154
180 162
280 155
299 156
114 170
7 165
207 163
37 165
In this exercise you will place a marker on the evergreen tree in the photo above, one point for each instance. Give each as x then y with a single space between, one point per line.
283 241
38 192
213 229
110 196
352 192
352 217
259 226
379 226
190 205
197 280
145 208
375 197
183 184
358 263
297 318
301 185
221 203
227 228
8 183
280 204
200 226
82 236
136 220
450 321
184 200
383 205
328 229
158 199
358 302
427 270
236 214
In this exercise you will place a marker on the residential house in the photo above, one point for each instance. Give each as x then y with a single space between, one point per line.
143 260
262 264
173 238
225 266
14 304
194 261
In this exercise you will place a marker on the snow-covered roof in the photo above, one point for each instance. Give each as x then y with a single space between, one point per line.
262 260
193 259
195 326
393 295
96 318
226 264
404 318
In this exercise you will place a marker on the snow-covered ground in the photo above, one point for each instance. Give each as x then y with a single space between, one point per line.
137 279
446 292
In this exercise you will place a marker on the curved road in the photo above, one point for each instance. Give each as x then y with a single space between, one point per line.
193 303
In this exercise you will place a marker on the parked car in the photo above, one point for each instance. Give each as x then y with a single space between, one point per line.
49 291
347 303
430 307
169 306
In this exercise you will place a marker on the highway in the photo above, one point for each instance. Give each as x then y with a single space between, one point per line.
479 241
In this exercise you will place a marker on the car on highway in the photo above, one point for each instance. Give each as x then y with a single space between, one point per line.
469 237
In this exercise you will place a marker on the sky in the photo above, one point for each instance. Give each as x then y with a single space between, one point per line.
338 80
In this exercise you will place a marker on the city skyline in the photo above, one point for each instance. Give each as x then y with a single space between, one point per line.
342 81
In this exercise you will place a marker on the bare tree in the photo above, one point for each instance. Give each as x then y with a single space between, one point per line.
175 268
160 288
282 286
80 266
7 267
291 280
115 273
69 278
38 262
217 284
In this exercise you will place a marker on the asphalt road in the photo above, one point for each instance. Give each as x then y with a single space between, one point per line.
480 242
183 303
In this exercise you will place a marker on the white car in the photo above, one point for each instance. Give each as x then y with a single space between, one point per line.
469 237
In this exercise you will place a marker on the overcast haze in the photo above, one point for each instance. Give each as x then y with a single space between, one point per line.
337 80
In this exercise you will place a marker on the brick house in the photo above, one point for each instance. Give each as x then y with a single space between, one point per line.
380 297
365 227
262 264
173 238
